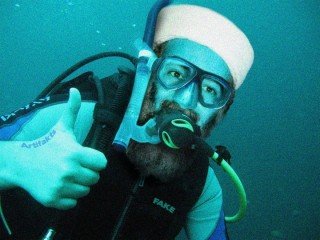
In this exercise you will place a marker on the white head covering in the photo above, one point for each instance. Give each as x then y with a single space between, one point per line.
208 28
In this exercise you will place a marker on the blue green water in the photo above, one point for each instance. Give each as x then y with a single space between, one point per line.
273 129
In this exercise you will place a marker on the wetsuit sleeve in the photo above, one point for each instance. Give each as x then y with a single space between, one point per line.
206 216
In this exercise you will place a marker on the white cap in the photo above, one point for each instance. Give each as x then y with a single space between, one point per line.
208 28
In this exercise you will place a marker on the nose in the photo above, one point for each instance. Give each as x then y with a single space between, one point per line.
187 96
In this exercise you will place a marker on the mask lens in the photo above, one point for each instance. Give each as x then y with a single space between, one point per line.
214 93
174 73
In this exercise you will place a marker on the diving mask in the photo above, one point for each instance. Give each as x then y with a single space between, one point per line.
175 73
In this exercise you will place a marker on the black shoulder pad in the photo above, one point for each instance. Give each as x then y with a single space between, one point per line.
84 83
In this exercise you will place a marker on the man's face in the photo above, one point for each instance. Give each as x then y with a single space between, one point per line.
206 71
177 84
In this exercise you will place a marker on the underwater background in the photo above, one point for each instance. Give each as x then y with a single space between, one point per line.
272 129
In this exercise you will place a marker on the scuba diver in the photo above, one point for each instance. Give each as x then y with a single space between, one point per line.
124 157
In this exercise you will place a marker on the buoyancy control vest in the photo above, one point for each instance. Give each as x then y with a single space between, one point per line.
122 205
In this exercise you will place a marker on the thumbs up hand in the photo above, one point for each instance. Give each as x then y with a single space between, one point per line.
55 169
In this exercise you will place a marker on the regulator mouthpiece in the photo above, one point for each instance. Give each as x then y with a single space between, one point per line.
176 130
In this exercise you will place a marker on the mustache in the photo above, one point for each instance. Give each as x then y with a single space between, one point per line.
167 106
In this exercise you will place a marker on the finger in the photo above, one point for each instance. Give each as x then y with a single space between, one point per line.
66 203
70 114
86 177
74 191
93 159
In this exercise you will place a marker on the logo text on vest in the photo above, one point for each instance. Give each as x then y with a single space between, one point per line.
164 205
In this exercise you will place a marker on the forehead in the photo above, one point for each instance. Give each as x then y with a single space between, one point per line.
199 55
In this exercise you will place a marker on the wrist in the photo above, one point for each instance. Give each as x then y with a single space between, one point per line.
11 154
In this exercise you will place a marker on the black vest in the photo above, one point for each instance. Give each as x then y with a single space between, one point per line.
139 208
121 205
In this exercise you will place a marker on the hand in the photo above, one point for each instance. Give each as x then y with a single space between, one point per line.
56 170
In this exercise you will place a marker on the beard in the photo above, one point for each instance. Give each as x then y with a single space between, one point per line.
160 161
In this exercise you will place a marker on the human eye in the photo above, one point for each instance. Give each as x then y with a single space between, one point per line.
209 93
211 89
175 74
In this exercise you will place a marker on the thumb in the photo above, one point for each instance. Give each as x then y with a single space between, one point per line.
70 114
